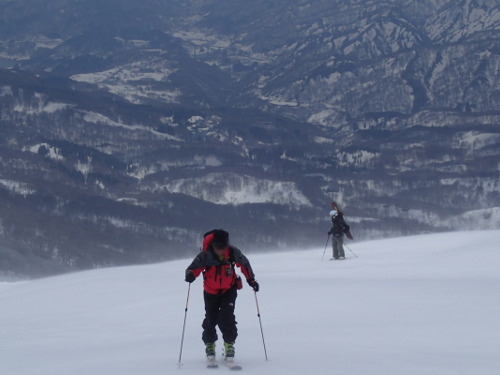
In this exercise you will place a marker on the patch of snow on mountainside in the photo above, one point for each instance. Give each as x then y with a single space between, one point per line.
322 117
202 38
40 108
84 168
51 152
230 188
474 140
6 91
276 100
357 158
195 119
48 43
140 172
97 118
322 140
141 70
135 82
454 24
17 187
122 74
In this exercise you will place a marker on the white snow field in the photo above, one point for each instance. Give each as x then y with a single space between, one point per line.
417 305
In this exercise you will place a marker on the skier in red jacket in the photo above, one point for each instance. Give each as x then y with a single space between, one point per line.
217 261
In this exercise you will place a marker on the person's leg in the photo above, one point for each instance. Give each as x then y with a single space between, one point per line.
335 245
340 242
212 305
227 320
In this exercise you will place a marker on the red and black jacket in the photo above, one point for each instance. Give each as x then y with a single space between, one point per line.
219 275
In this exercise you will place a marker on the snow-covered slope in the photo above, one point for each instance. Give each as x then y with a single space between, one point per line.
415 305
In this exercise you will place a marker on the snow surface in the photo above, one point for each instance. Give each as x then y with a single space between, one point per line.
416 305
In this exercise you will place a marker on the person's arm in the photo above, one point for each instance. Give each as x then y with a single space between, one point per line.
196 267
244 264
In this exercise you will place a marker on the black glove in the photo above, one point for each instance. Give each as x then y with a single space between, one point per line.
190 277
329 233
253 284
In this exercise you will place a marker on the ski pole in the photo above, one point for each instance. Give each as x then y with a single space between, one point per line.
184 325
351 250
260 322
327 240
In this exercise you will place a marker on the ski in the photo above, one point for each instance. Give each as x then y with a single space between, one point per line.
232 366
212 363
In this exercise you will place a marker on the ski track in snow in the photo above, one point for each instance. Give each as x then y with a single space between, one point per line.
416 305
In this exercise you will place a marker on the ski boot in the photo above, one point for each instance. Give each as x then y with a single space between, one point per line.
210 351
229 351
342 258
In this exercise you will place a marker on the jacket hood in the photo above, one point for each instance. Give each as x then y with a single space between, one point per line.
218 236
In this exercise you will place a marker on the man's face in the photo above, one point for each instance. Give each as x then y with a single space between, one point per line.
219 251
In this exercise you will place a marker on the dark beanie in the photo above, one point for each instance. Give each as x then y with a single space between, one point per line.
221 238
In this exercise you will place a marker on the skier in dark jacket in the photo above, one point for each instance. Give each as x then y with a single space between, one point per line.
217 262
339 228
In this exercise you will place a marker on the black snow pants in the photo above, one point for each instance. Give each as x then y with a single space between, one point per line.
219 310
